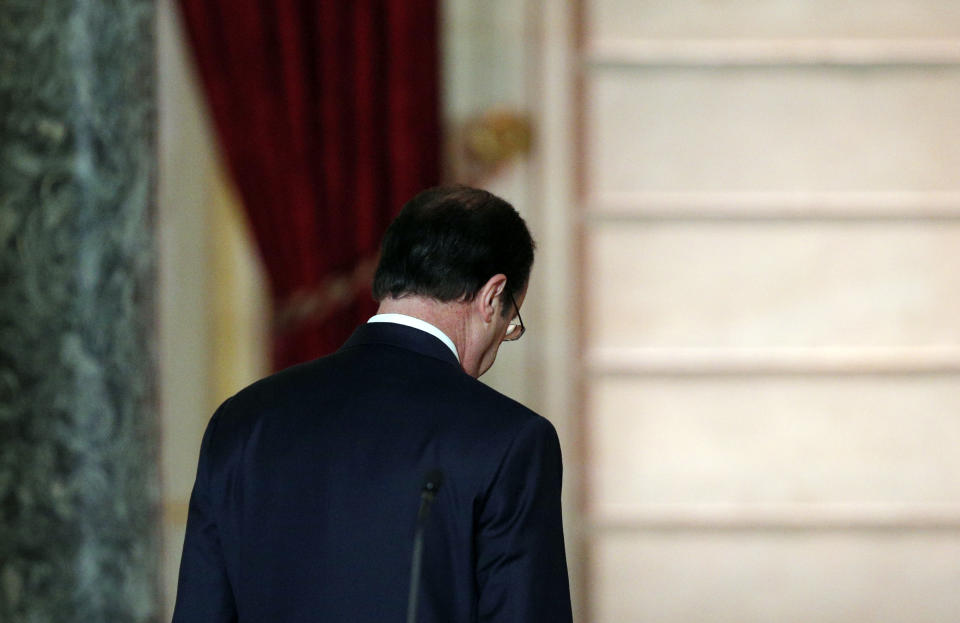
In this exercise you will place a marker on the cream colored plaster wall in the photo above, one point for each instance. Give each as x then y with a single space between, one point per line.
771 225
212 311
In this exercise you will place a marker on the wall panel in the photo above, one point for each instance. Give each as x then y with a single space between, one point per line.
738 19
792 577
771 369
768 128
773 284
853 446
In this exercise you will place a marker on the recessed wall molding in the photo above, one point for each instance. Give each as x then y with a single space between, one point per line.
770 52
787 516
746 205
653 361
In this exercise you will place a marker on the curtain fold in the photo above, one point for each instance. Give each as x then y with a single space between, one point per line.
328 116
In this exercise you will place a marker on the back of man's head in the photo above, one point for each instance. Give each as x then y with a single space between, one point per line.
448 241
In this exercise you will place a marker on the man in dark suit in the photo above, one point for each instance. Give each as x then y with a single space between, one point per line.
309 482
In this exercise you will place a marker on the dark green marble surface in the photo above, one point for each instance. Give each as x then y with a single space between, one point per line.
79 494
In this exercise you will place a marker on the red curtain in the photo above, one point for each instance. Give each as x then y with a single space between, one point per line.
328 115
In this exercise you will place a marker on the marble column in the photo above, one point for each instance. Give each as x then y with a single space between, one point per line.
79 494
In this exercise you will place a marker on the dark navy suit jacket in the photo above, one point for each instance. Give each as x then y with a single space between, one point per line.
309 483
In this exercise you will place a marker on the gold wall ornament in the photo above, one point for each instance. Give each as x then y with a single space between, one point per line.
483 145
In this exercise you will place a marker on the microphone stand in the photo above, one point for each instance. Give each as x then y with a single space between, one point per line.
430 486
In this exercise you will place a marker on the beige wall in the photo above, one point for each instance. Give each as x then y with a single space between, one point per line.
771 223
212 299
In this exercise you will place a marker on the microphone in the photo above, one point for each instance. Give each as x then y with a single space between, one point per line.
431 484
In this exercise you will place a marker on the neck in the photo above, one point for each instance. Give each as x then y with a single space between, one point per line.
448 317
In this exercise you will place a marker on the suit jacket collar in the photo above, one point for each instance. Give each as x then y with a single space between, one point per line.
401 336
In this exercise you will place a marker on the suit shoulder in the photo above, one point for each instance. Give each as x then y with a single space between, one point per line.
275 393
499 409
289 382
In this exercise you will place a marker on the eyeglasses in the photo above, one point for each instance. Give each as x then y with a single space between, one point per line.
515 329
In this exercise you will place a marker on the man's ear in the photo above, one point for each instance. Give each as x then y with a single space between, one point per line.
489 300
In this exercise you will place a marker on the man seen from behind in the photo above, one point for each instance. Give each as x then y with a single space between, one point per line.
307 490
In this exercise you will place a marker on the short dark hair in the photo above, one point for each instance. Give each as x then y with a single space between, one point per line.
448 241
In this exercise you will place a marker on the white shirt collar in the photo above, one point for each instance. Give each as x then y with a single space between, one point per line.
416 323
